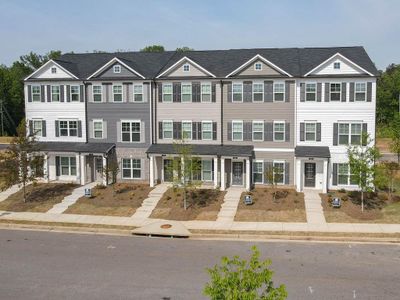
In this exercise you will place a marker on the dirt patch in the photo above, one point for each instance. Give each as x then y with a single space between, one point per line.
40 197
378 208
383 144
288 207
127 198
203 204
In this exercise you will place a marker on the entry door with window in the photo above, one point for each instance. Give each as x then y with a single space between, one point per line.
168 172
98 166
309 174
237 173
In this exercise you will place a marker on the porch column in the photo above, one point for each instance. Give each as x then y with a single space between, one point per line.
151 171
248 174
82 169
222 174
215 172
298 175
78 168
104 168
46 168
325 180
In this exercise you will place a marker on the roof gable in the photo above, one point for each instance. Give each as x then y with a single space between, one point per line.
177 70
46 72
107 70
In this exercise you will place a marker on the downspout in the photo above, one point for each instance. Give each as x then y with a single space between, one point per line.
222 112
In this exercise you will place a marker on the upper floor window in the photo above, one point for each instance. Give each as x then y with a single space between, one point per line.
37 127
258 92
336 65
131 168
344 175
36 93
187 130
237 92
167 129
310 132
335 91
68 128
75 93
350 133
206 130
55 93
98 129
279 172
311 91
138 93
279 131
117 69
237 130
205 92
53 70
117 93
97 93
360 91
258 130
258 66
186 90
279 92
130 131
167 92
258 171
186 68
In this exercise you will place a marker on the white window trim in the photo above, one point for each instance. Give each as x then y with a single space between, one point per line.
172 129
348 175
252 92
55 70
202 130
284 171
241 122
237 83
349 134
191 92
305 131
365 93
262 173
258 63
284 131
59 92
340 92
201 92
101 92
115 69
131 168
40 92
68 128
211 170
122 93
41 127
69 166
335 63
172 92
186 65
284 91
130 131
315 93
141 85
79 93
191 129
252 131
102 128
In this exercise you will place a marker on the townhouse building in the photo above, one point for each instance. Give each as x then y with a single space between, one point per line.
245 111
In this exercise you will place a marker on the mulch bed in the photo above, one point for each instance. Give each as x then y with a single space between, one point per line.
203 204
123 203
287 207
40 197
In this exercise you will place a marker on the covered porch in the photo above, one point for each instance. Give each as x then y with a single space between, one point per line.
312 168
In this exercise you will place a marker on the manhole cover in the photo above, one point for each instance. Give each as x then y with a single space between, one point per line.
166 226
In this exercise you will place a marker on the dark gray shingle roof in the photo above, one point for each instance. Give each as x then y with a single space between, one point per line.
75 147
225 150
312 151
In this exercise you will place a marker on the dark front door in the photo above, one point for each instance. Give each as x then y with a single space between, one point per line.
237 173
168 170
309 174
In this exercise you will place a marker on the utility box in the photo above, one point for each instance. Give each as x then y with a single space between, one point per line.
248 200
88 193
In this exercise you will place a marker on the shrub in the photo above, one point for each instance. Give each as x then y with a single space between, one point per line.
383 196
342 191
345 197
100 186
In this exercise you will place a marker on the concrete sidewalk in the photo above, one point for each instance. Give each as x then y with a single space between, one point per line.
314 210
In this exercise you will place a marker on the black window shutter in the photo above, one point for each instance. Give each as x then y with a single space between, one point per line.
229 138
213 92
334 174
214 131
194 130
42 98
335 134
57 131
159 88
287 91
247 91
351 99
160 130
29 93
68 93
287 132
176 92
364 134
48 93
302 138
327 95
31 133
229 88
82 95
43 128
269 131
344 91
302 92
268 91
319 92
287 172
61 93
199 136
57 166
318 132
179 131
369 91
248 131
79 128
175 130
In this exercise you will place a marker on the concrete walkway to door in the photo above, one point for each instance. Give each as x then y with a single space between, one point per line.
314 211
229 207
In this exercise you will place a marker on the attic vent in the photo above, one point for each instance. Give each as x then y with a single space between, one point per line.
186 68
336 65
117 69
53 70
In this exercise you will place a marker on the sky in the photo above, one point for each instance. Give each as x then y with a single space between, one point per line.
84 26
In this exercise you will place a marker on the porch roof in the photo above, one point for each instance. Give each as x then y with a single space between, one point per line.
312 151
218 150
76 147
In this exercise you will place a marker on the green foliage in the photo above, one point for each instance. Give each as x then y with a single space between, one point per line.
388 90
184 49
237 279
153 48
394 134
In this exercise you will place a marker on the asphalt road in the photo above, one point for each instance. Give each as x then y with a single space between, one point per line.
49 265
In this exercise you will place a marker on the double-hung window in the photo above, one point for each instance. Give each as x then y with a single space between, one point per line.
97 93
117 93
98 129
360 91
206 130
344 175
279 131
55 93
237 92
335 91
237 130
131 168
130 131
68 166
258 172
186 91
167 129
206 170
187 130
205 92
343 133
311 91
36 93
75 93
279 172
258 92
68 128
167 92
310 133
356 132
350 133
138 93
279 92
37 127
258 131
